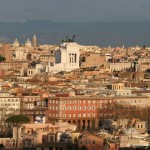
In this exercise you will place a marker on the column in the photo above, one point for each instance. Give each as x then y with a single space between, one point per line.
75 58
86 124
72 58
91 125
96 123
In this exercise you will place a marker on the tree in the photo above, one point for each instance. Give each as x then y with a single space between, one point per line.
16 121
2 58
124 111
2 146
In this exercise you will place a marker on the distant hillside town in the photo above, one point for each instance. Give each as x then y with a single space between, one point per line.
77 97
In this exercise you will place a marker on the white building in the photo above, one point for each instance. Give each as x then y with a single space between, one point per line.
9 102
21 53
8 105
66 58
39 68
120 66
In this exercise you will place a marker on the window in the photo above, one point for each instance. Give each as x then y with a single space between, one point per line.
93 114
89 115
100 106
83 115
84 108
89 102
79 108
64 115
64 108
93 101
93 108
69 115
79 115
74 115
89 107
83 102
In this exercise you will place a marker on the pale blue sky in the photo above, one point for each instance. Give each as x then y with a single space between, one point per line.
74 10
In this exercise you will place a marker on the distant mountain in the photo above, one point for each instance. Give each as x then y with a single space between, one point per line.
90 33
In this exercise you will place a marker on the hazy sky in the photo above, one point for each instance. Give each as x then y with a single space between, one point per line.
74 10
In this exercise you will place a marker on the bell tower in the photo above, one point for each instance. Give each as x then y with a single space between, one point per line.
34 41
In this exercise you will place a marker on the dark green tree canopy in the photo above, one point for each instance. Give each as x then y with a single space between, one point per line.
2 58
18 119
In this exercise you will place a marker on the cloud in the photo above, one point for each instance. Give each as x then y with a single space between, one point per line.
74 10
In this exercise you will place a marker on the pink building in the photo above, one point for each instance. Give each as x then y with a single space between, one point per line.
83 111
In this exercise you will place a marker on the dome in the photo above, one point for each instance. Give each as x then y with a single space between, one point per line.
16 43
28 43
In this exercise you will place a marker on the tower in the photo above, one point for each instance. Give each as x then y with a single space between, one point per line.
34 41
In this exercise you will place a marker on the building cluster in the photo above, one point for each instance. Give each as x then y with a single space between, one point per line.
67 92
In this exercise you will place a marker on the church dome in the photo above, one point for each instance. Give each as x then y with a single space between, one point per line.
28 43
16 43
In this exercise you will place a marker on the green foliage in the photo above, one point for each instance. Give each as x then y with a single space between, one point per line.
2 146
18 119
2 58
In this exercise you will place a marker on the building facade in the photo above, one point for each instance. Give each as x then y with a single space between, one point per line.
83 111
66 58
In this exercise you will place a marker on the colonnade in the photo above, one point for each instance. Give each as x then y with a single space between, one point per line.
72 58
85 124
